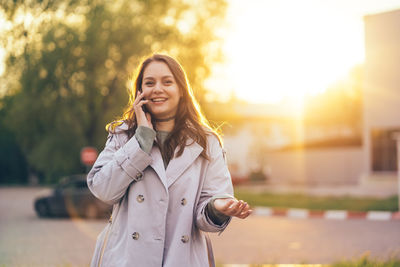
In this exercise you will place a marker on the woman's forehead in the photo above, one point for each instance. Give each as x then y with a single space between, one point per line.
157 69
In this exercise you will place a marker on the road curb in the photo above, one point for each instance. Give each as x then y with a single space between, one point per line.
327 214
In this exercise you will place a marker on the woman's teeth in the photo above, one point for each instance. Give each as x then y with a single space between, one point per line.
158 99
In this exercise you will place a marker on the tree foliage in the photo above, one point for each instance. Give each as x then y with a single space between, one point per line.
69 62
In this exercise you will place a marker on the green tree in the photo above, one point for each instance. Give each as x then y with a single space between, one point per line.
13 167
69 62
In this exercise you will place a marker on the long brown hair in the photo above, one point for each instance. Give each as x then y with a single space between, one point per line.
189 120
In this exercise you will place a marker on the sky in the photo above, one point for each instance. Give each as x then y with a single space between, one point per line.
282 50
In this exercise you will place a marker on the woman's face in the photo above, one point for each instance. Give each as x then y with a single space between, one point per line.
160 88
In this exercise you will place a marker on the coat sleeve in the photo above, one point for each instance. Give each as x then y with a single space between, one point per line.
217 182
116 168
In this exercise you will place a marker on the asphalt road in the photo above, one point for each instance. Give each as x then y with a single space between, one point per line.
26 240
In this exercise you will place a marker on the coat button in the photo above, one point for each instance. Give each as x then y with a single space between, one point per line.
185 239
139 176
140 198
183 201
135 235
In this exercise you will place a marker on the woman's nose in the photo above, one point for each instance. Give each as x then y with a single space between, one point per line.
157 87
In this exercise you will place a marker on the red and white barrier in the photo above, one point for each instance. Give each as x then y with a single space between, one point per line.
328 214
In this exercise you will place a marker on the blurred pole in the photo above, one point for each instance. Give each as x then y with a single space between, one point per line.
397 138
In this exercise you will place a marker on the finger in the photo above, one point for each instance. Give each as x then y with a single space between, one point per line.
236 209
225 208
246 211
139 105
244 215
240 213
246 207
139 96
142 102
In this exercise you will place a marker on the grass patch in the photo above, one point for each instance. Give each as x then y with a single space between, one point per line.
302 201
365 261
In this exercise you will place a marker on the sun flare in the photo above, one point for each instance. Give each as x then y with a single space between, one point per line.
288 49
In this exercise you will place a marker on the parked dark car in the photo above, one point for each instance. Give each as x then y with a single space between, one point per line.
72 198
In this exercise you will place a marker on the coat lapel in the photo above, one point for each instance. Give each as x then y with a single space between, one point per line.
158 165
178 165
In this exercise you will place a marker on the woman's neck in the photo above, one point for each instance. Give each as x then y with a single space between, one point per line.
165 126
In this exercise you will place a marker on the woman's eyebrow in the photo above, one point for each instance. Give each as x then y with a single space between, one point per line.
152 78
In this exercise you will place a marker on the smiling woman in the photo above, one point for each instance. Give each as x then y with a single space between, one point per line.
164 169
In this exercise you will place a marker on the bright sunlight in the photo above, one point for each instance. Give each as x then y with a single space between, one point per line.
288 49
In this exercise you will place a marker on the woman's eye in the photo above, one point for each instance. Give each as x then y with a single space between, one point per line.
168 82
149 83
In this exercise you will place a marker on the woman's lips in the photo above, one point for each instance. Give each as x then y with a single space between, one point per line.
159 100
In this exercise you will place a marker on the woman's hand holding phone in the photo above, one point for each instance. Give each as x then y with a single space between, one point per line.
142 118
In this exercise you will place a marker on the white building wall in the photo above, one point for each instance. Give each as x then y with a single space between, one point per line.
381 78
332 166
312 166
238 150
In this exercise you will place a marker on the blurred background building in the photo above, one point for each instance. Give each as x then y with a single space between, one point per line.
303 151
381 95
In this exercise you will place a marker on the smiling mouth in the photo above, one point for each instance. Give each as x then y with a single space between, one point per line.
158 100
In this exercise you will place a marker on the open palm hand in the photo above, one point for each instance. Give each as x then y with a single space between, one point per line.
232 207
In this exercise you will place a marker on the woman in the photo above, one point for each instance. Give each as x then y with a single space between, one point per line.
164 170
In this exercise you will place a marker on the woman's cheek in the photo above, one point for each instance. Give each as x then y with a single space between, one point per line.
147 92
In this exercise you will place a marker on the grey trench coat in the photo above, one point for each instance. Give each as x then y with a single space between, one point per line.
159 214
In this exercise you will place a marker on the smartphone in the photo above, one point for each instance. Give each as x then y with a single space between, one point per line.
144 107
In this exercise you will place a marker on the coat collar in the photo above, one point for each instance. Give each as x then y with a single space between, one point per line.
158 165
177 165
